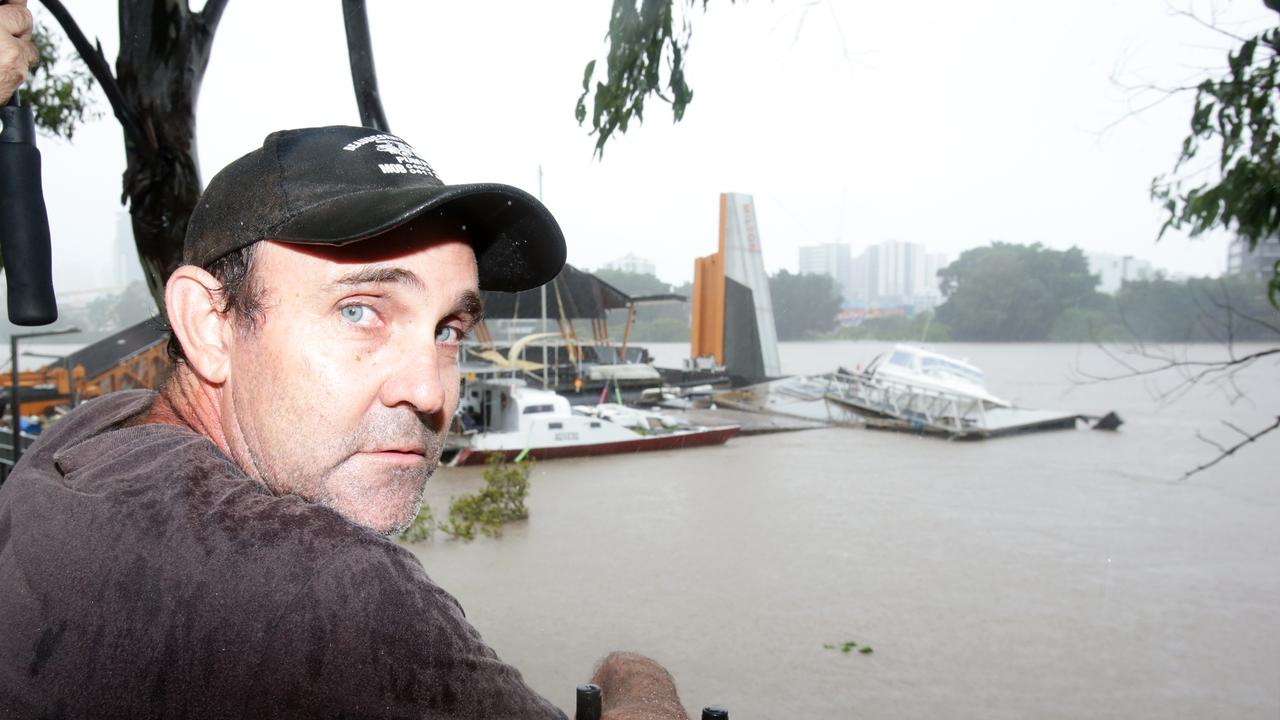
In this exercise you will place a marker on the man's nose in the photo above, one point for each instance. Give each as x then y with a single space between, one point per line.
417 379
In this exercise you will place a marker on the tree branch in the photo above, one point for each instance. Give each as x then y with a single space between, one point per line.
212 15
1231 450
1189 373
364 78
1255 320
1200 436
1207 366
1235 427
92 57
1167 93
1207 23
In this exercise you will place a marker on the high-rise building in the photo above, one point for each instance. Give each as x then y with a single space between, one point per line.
632 264
830 259
1259 261
892 272
900 271
864 277
1114 271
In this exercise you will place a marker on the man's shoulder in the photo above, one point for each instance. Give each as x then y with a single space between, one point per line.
114 490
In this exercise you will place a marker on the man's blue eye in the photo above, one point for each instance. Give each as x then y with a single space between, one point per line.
357 314
448 334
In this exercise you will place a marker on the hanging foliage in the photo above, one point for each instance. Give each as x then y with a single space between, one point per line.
1237 113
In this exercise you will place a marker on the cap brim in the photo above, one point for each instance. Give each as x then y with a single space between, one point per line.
518 244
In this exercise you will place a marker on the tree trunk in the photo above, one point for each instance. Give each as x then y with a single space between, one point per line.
164 50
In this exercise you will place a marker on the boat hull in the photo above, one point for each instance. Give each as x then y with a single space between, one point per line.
642 443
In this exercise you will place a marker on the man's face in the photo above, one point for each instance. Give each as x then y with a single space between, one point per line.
343 392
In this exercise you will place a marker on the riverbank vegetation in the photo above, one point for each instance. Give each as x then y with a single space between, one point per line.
1159 310
500 501
1011 293
1003 292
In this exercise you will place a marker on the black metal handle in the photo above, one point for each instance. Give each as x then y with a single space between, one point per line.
589 702
24 221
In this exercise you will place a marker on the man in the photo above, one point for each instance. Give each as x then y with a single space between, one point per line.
17 53
218 550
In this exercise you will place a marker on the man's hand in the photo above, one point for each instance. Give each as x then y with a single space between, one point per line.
637 688
17 52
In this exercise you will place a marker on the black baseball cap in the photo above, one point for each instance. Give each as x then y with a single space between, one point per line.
337 185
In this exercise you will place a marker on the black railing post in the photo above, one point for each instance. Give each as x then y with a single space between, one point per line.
13 397
15 404
589 702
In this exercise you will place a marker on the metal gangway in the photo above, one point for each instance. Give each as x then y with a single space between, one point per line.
921 409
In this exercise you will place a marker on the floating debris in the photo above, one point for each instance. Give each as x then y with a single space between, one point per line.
849 646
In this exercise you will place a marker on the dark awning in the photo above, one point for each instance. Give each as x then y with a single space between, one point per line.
581 294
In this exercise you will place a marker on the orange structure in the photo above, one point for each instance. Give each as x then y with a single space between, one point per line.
732 306
707 333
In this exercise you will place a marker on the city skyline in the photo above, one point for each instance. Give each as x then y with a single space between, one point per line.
890 272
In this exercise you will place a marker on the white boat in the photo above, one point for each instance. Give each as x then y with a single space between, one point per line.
917 390
933 371
504 415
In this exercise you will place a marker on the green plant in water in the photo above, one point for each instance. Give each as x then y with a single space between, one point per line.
506 486
423 526
848 646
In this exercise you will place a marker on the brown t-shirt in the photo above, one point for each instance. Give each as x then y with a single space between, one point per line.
144 575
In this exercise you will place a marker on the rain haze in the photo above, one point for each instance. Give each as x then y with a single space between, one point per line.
938 123
1128 572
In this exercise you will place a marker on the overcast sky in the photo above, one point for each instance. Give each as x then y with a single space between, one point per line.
948 124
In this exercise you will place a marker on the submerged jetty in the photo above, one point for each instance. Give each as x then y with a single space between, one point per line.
911 390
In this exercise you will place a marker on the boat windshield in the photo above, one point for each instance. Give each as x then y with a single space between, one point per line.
942 366
902 359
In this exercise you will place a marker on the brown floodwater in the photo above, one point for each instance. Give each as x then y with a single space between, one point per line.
1056 575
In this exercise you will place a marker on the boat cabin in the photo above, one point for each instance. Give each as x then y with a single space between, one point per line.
506 405
924 362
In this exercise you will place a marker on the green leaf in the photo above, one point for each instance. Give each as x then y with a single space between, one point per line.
643 47
1238 109
58 91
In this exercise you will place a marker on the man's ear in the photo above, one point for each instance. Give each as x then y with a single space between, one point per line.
192 299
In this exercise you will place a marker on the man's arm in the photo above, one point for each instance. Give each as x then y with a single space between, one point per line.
637 688
370 636
17 52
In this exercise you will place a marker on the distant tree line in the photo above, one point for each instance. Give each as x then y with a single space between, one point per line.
1029 293
655 321
1003 292
106 314
103 315
921 327
804 306
1014 292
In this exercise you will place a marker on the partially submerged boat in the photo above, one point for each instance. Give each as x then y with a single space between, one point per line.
918 390
504 415
909 389
928 371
